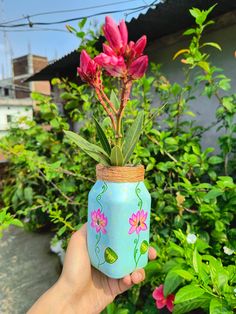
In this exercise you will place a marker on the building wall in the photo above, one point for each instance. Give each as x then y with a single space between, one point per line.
163 50
25 66
11 111
6 88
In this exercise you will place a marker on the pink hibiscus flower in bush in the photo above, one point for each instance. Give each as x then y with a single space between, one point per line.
137 222
99 221
161 301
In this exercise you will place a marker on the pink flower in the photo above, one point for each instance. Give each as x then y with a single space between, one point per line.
120 58
99 221
135 50
137 222
138 67
114 65
161 301
116 35
89 70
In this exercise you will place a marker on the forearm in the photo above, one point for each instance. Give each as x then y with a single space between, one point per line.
54 300
61 299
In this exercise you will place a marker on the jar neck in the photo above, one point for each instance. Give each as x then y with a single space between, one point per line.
120 174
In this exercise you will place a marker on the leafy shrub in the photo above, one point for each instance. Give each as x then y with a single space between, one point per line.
193 190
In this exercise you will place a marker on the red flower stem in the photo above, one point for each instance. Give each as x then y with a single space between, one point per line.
124 98
110 115
108 101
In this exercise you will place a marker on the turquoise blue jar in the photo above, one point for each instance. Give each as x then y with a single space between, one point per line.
118 220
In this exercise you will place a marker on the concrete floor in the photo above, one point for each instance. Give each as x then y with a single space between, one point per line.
27 269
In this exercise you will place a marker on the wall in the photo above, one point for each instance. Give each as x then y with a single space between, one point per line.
15 109
24 67
163 50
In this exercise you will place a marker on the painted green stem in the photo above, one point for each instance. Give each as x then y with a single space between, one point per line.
140 201
99 197
97 249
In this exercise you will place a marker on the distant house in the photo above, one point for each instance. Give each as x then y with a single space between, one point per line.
164 26
15 93
11 110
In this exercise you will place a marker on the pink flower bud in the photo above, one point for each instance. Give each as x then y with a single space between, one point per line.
112 34
124 33
140 45
114 65
108 50
138 67
88 70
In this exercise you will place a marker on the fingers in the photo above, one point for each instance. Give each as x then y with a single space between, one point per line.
76 258
152 254
128 281
138 276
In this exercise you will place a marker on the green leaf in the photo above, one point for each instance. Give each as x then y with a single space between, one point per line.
82 22
102 137
176 248
215 45
172 281
184 274
61 231
80 34
28 194
122 311
197 261
188 306
114 100
215 160
144 247
94 151
189 31
110 309
132 136
188 293
116 156
213 194
110 255
16 222
217 307
204 65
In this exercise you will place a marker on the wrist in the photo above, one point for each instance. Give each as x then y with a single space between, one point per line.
54 300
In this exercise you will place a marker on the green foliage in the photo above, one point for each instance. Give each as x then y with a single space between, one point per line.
193 189
6 219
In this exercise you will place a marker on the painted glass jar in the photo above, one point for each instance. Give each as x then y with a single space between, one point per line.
118 220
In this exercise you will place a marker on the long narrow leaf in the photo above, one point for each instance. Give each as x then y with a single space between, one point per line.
116 156
114 100
79 140
132 137
102 137
94 151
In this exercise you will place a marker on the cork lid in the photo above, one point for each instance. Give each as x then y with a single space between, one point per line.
120 174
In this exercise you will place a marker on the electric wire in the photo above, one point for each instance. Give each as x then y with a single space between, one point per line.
36 30
31 24
69 10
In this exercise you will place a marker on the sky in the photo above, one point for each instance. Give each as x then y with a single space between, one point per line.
52 41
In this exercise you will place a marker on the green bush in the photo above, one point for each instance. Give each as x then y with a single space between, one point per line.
193 190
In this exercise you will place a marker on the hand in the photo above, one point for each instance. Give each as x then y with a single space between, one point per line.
81 288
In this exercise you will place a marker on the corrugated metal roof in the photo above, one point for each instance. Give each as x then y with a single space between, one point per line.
168 17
